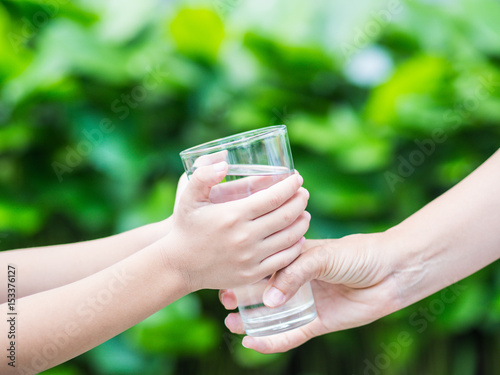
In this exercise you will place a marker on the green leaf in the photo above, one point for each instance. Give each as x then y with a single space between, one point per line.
20 218
179 328
62 370
198 33
421 74
16 137
252 359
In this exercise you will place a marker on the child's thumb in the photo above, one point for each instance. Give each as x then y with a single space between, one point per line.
202 180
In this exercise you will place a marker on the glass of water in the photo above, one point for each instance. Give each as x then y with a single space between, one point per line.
257 159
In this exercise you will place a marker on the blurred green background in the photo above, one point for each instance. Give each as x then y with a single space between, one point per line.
388 104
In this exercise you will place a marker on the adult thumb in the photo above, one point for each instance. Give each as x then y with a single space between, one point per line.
202 180
286 282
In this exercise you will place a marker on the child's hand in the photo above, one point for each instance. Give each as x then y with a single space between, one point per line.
238 242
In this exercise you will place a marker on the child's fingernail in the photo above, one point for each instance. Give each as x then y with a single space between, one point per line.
244 343
302 240
301 179
274 297
219 167
307 192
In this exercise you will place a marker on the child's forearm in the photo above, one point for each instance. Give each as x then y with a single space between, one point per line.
452 237
59 324
49 267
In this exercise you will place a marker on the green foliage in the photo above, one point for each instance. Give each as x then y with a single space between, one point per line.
184 331
198 33
388 104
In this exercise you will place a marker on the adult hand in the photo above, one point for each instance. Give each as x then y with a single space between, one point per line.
238 242
361 278
351 283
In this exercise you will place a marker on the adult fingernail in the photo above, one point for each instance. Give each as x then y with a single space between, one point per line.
274 297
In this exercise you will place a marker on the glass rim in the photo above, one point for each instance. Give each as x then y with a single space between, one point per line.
232 140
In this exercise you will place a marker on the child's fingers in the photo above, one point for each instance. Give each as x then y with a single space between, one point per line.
210 159
281 259
287 237
242 188
283 216
269 199
202 180
181 186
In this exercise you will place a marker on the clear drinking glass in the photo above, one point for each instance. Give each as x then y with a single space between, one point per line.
257 159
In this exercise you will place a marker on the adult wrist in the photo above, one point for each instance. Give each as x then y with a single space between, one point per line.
413 263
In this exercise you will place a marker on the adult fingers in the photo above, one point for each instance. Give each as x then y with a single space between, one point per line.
234 323
228 299
285 283
269 199
281 342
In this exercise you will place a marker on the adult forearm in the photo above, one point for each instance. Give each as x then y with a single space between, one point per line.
49 267
59 324
452 237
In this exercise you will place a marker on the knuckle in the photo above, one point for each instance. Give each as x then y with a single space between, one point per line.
198 176
288 217
275 200
241 238
244 259
288 278
230 219
292 238
248 276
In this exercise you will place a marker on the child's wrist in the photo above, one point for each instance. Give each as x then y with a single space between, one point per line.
154 232
170 260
